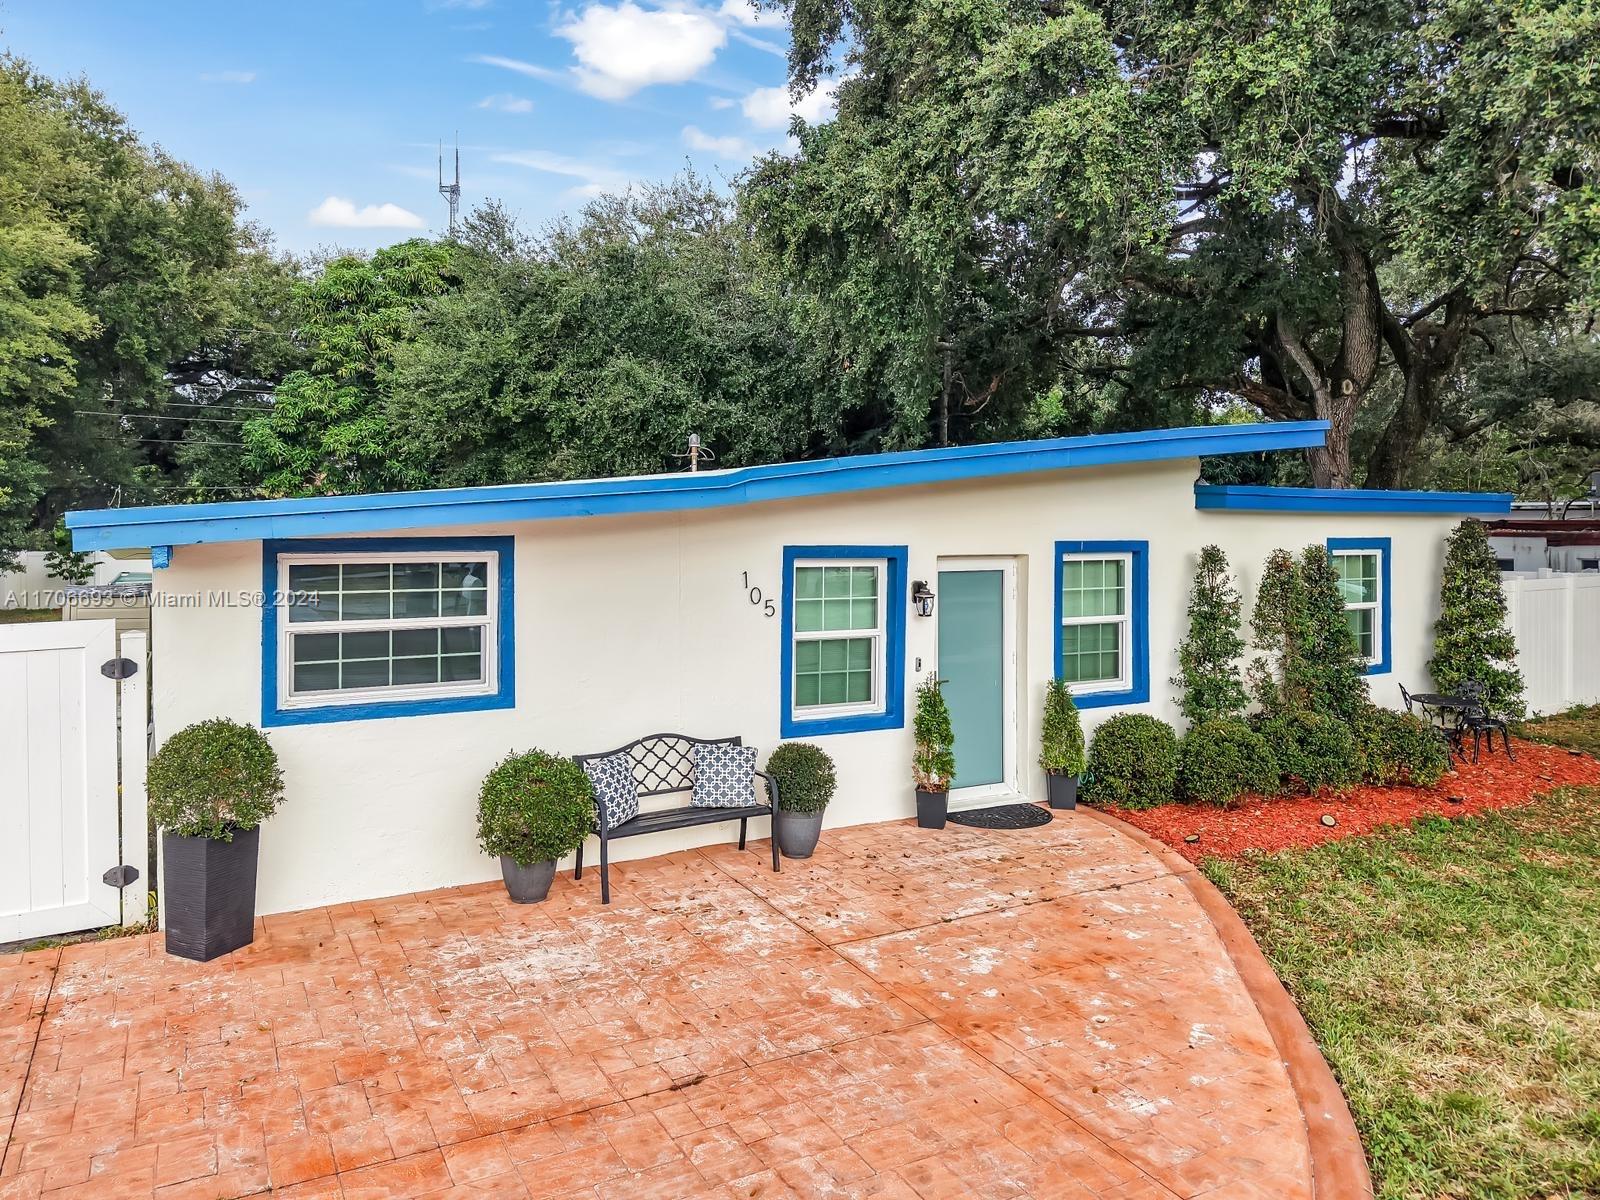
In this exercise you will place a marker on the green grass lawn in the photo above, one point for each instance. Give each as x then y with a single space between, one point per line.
1577 729
21 616
1451 974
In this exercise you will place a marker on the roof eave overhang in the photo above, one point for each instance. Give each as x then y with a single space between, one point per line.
1248 498
325 516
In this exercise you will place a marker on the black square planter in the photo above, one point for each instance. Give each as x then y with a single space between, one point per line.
210 891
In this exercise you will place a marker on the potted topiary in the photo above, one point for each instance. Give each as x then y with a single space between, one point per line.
210 787
533 809
806 781
933 759
1061 745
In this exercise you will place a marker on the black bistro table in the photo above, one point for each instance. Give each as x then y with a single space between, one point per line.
1440 705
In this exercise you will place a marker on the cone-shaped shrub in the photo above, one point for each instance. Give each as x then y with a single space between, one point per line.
1471 639
933 756
1208 659
1061 740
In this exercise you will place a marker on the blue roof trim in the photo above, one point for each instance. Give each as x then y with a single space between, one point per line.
1218 497
322 516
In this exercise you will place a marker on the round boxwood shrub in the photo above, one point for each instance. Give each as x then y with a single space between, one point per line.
1133 762
1316 749
1396 747
535 807
214 779
1222 759
805 777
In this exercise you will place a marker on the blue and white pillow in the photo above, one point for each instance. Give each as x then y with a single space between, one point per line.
615 789
724 776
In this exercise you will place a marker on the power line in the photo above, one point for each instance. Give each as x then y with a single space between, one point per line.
128 416
255 408
166 441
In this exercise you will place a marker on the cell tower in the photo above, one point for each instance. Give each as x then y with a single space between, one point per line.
451 191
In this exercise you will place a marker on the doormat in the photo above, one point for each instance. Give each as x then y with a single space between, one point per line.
1004 816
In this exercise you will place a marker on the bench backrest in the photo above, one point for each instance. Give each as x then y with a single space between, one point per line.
663 763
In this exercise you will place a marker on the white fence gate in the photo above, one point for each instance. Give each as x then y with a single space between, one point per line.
61 823
1556 621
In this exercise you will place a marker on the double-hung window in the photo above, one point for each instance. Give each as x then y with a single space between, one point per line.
1101 646
1362 566
387 627
843 624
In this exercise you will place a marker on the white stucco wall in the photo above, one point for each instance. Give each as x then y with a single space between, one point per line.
628 626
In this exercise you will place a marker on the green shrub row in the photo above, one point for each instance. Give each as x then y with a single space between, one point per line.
1139 761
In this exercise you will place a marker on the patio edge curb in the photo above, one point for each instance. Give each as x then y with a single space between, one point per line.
1339 1168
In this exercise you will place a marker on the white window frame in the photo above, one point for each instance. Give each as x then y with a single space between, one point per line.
880 645
489 621
1124 623
1376 606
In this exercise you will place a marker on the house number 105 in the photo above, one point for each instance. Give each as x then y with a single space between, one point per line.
753 594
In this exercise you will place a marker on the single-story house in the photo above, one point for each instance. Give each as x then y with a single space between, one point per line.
395 647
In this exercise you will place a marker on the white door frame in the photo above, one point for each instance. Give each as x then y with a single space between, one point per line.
1008 787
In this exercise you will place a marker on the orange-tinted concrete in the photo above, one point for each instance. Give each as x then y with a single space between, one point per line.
1040 1013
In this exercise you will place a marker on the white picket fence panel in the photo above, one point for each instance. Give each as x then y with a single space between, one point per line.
1556 621
61 827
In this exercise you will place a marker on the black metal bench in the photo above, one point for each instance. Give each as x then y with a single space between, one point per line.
663 765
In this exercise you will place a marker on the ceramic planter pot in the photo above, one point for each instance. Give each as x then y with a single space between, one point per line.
1062 790
932 809
527 884
210 888
798 833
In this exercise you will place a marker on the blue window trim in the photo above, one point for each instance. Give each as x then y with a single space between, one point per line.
505 695
893 715
1380 547
1138 621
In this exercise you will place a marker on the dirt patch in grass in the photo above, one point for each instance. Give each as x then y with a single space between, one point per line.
1577 729
1281 822
1450 972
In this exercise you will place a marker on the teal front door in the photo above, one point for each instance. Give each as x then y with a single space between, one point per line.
972 663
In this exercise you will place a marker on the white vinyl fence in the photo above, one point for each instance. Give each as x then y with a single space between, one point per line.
1556 620
65 831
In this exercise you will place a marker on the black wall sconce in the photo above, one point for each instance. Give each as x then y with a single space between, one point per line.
922 598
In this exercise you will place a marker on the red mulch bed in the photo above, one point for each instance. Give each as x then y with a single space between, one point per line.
1295 821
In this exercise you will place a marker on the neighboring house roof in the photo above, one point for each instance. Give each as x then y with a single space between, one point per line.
191 524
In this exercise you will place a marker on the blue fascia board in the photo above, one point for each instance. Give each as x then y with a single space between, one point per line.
1216 497
322 516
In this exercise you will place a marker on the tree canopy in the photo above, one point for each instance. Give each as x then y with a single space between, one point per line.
1310 207
1023 220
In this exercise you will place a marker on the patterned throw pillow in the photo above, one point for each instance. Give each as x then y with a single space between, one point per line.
615 790
723 776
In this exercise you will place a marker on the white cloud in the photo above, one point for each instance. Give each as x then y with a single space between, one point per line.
532 70
723 147
507 103
594 178
227 77
623 48
343 214
771 108
721 102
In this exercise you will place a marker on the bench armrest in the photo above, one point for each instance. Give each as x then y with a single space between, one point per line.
772 788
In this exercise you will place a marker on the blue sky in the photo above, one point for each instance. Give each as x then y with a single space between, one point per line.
326 115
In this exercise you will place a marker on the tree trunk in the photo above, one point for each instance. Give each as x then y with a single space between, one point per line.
1330 466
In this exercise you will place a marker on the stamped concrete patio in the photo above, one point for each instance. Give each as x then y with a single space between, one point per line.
1043 1013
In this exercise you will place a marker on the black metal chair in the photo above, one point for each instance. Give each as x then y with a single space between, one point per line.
1477 720
663 765
1450 735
